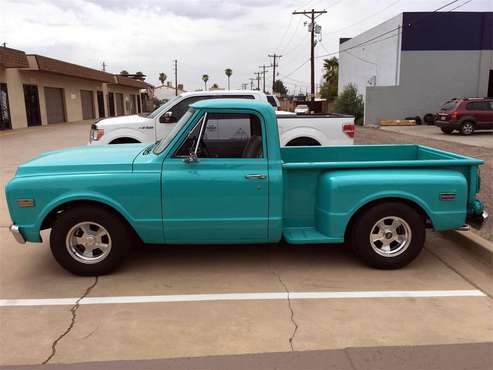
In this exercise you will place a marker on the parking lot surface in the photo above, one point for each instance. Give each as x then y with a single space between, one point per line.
483 139
188 301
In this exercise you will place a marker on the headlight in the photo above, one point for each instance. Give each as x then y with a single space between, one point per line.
96 133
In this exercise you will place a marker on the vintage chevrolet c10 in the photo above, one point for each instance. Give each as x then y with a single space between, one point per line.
220 176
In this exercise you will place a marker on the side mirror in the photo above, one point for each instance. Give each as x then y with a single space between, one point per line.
192 158
167 118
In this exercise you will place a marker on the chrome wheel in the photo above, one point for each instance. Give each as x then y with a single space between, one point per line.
390 236
88 242
467 128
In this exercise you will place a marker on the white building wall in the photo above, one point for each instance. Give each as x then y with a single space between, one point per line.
377 61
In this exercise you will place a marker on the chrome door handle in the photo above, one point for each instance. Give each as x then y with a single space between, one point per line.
255 177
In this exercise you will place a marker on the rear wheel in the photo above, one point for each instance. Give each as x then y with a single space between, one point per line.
388 235
467 128
89 240
447 130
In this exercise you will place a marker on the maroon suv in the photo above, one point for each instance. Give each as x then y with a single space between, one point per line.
466 115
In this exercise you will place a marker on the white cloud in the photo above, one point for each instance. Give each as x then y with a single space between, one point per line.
205 36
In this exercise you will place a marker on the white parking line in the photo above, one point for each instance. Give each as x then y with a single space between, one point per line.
241 297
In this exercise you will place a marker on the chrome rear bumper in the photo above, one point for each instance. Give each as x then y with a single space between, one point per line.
14 229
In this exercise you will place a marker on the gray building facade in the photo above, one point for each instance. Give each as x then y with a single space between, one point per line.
420 61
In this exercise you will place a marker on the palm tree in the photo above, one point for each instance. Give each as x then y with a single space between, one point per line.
205 78
331 67
228 72
162 77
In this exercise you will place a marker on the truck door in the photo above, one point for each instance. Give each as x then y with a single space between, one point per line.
222 196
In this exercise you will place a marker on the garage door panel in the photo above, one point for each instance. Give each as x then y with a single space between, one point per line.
55 105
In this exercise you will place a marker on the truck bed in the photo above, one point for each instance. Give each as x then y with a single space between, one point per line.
365 156
315 179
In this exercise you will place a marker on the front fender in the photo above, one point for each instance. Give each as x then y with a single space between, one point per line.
131 133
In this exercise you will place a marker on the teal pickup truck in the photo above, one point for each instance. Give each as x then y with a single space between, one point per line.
220 176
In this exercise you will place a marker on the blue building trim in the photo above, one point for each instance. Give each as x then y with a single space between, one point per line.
447 31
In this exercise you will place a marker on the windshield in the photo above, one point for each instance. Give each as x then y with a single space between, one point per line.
164 142
156 112
302 106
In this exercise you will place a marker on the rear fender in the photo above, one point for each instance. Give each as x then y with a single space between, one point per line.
342 193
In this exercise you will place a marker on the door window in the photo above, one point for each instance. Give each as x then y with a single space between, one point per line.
478 105
225 135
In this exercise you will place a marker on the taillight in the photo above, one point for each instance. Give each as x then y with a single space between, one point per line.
455 116
348 129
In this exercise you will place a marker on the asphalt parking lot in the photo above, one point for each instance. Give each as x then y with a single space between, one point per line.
188 301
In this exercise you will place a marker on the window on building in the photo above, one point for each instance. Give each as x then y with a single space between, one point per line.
5 123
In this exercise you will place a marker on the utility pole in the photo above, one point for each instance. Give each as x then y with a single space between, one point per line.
263 66
312 15
176 76
244 86
274 65
251 83
258 79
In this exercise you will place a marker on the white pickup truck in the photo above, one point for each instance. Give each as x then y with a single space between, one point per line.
294 130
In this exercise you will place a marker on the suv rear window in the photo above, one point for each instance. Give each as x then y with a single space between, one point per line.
450 105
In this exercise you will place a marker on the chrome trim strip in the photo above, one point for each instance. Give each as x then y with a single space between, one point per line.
14 229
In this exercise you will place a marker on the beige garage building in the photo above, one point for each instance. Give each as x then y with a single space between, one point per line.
37 90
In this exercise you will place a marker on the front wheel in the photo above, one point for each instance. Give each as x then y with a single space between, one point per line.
388 235
89 240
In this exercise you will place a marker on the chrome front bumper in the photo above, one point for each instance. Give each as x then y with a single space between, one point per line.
14 229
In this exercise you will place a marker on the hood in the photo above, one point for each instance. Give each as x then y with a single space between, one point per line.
104 158
123 120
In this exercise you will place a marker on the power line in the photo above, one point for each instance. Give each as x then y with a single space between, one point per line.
296 69
366 18
386 33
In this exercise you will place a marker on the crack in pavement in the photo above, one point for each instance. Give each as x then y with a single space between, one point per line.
293 321
73 310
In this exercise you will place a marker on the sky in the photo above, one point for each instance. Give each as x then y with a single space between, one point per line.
204 36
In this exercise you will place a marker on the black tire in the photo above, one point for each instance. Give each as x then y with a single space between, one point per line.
429 118
117 233
467 128
125 140
303 141
367 222
447 130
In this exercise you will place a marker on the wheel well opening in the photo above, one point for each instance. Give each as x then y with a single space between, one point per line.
303 141
371 204
124 140
51 217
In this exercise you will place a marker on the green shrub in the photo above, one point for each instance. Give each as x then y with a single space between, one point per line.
350 102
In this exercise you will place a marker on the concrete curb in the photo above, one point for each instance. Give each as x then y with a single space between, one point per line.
472 242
